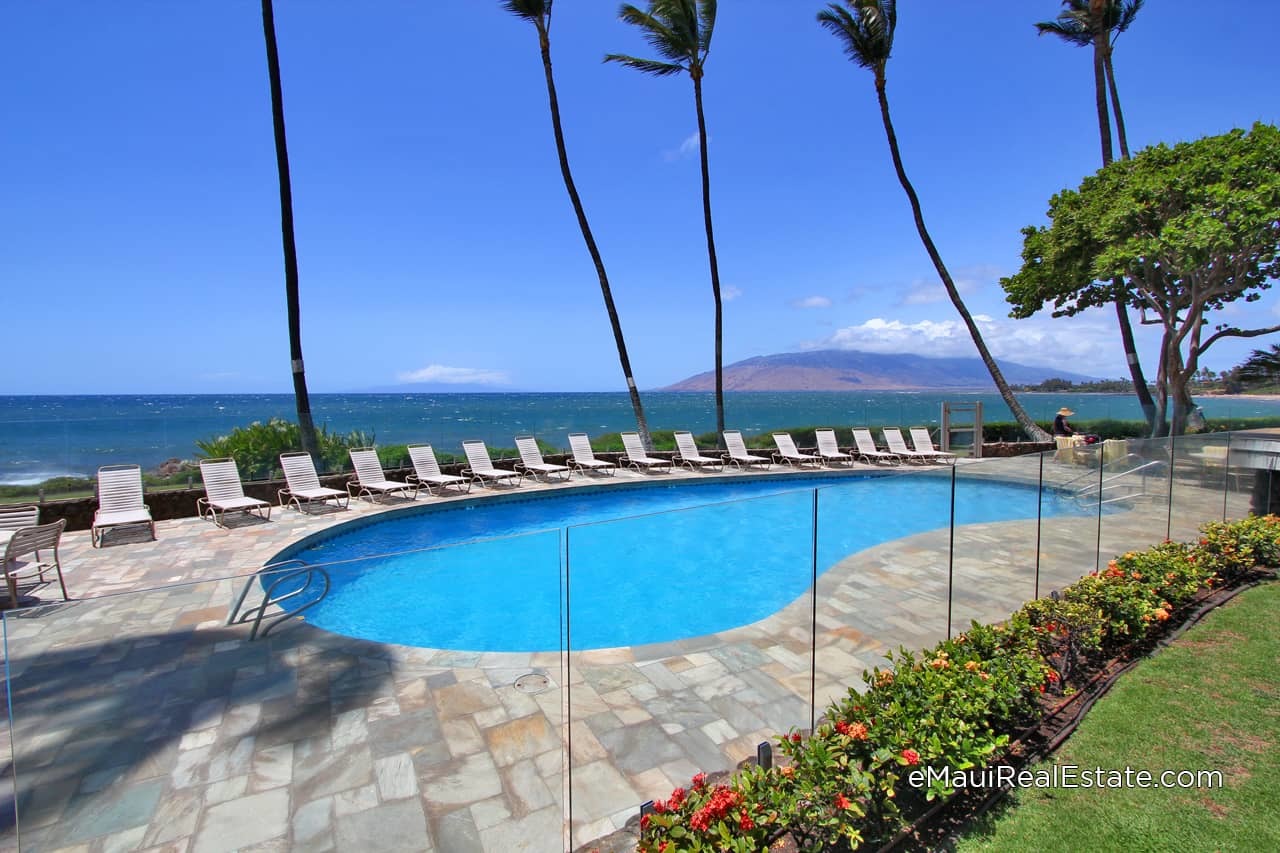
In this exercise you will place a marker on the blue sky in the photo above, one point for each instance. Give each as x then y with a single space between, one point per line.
140 216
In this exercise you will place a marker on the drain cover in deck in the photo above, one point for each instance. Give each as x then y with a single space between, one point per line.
532 683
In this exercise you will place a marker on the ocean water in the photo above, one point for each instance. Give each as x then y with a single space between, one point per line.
49 436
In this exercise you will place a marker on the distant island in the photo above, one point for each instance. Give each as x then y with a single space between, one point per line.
853 370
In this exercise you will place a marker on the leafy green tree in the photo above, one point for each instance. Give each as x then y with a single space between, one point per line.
866 29
1190 229
680 31
301 398
538 13
1262 367
1096 24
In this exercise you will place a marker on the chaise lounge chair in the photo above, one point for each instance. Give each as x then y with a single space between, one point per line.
923 443
223 492
637 458
15 518
868 451
829 448
894 441
426 470
532 462
303 485
738 454
30 541
790 454
119 501
480 466
687 454
371 480
584 458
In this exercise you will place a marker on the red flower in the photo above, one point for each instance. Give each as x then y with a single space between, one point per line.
795 738
911 756
842 802
677 797
842 727
745 823
699 781
659 807
644 822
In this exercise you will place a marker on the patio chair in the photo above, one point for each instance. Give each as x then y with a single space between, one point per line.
426 470
584 458
923 443
638 459
829 448
788 452
30 541
894 441
15 518
532 462
119 501
480 466
687 454
302 484
223 492
868 451
738 454
371 481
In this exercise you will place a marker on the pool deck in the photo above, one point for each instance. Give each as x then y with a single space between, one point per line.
142 722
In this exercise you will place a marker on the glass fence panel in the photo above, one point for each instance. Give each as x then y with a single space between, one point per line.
882 562
1200 483
997 526
690 643
1135 488
1068 534
366 721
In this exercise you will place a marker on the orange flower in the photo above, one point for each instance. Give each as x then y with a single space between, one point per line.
787 771
971 665
842 802
858 731
1162 614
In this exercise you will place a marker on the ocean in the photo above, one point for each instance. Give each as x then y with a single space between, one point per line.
50 436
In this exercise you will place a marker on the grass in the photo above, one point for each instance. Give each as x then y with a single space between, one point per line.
1211 701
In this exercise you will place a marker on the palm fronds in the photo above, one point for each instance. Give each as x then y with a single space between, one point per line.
865 29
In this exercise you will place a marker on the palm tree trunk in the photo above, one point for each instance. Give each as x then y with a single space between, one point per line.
306 426
1100 96
1115 106
711 255
1032 428
642 425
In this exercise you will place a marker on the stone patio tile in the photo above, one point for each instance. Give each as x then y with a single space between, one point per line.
456 832
313 821
540 832
522 738
107 812
271 768
462 781
640 747
240 823
399 827
397 777
487 813
525 788
599 789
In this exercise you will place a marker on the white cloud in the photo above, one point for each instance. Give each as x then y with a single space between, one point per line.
730 293
1077 344
811 302
688 148
455 375
926 291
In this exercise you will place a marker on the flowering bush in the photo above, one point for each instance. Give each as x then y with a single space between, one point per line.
1229 549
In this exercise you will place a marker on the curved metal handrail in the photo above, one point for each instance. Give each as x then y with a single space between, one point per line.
236 616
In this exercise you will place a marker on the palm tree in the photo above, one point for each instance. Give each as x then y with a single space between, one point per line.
1261 368
538 13
1091 23
680 31
306 426
866 30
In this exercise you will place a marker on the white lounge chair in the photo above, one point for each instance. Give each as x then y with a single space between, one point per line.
790 454
894 441
923 443
637 457
426 470
303 485
584 458
30 541
738 454
15 518
687 454
371 481
869 452
532 462
119 501
829 448
223 492
480 466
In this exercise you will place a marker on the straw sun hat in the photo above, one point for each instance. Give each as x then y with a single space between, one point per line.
1064 411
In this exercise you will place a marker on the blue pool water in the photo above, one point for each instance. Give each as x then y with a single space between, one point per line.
644 564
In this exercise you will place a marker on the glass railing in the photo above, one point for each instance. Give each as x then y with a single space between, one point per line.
537 689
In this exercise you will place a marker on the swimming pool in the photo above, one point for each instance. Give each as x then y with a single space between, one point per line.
626 564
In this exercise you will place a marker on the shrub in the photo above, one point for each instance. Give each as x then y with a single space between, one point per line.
1229 549
257 447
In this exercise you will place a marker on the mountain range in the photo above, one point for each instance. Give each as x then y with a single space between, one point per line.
853 370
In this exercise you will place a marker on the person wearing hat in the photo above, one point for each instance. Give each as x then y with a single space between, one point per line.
1060 425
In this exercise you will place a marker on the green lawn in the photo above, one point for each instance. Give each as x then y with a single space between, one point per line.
1209 702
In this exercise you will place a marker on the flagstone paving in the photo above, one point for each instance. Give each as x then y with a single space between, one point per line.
142 722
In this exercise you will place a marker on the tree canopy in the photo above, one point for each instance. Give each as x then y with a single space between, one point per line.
1188 229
